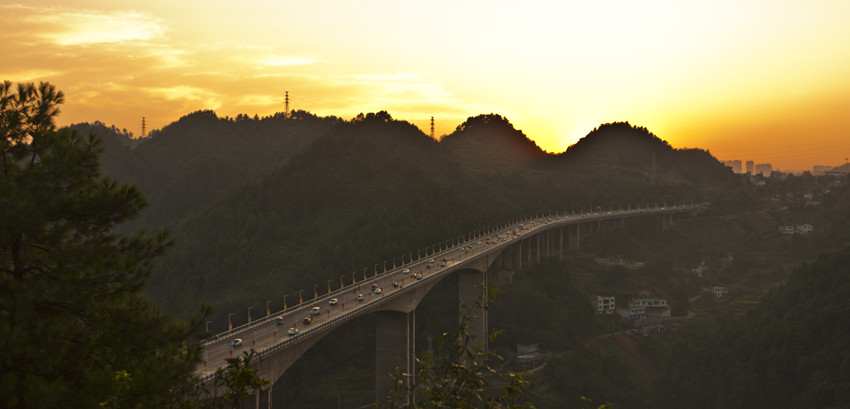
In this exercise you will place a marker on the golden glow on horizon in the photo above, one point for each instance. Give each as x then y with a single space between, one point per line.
763 80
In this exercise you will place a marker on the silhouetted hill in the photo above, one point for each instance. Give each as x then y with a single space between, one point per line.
491 141
621 146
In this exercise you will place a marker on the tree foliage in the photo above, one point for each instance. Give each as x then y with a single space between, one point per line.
72 321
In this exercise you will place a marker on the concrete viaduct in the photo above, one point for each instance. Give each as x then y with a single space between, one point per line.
477 260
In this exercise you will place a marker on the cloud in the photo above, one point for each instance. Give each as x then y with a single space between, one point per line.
181 92
84 27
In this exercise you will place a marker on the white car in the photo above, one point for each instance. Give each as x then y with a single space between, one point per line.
333 301
405 271
315 311
236 342
359 297
378 290
278 320
292 331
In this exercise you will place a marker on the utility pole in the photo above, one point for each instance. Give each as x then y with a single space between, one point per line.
143 127
432 127
286 105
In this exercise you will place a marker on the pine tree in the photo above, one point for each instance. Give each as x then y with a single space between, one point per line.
75 330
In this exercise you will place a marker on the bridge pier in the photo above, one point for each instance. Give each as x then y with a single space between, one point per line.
518 265
395 343
472 299
575 237
666 221
561 243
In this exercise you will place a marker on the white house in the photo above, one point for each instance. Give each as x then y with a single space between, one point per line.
803 228
605 305
786 229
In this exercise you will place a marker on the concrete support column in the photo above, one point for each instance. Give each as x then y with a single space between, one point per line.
666 221
575 237
394 348
561 243
538 248
472 289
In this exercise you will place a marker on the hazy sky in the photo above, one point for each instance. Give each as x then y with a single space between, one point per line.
765 80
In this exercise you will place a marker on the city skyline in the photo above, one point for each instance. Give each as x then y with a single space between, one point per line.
763 80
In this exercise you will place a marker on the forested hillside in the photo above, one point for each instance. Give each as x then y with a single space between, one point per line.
264 206
789 352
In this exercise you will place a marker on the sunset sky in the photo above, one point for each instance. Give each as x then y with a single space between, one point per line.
762 80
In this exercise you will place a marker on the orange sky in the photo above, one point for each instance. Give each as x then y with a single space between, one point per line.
762 80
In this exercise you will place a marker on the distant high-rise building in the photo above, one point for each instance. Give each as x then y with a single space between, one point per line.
820 170
763 169
751 167
734 164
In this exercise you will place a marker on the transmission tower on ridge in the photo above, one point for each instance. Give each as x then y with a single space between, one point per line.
286 105
432 127
143 127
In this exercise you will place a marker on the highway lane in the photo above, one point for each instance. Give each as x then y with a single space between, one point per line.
264 333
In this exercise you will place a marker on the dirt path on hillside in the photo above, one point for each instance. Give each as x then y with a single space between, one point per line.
629 345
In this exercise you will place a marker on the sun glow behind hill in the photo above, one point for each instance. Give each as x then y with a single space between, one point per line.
762 80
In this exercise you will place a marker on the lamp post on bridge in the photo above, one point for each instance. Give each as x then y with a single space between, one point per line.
315 290
249 313
268 310
385 266
329 286
353 280
341 284
229 322
208 326
300 297
393 261
284 301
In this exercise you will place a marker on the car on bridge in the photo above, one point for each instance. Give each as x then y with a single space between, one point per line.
278 320
236 342
405 271
377 290
308 320
315 311
333 301
359 297
292 331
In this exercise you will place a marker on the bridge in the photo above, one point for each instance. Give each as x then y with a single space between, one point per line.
394 294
